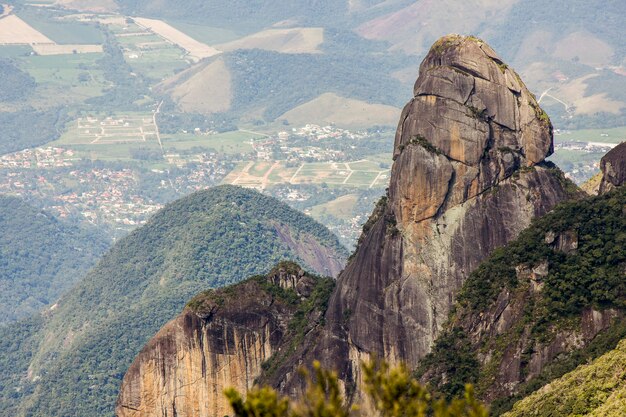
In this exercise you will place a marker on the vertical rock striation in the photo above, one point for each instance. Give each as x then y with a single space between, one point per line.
468 176
219 341
613 167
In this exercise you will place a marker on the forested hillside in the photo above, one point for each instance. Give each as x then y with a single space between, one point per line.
209 239
40 258
551 300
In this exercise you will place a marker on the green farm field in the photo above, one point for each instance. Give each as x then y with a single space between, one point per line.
236 142
62 32
612 135
207 34
14 51
158 63
78 73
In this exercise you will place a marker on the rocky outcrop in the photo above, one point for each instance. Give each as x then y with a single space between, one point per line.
221 340
468 176
545 303
613 167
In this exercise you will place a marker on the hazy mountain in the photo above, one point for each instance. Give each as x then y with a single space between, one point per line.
572 47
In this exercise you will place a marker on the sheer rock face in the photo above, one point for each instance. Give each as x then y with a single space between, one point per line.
468 176
613 166
220 343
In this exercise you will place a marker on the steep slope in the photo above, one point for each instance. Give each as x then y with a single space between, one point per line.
550 300
208 239
204 88
40 258
613 167
593 390
468 177
223 338
330 108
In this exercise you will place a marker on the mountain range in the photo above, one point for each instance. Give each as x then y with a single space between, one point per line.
70 361
482 264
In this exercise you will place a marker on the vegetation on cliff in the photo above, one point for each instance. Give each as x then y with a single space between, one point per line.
594 389
569 262
209 239
590 276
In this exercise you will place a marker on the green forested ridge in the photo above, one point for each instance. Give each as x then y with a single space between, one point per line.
208 239
28 128
364 76
40 257
592 276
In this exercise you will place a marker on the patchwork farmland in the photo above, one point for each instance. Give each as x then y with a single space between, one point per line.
112 130
197 50
16 31
263 174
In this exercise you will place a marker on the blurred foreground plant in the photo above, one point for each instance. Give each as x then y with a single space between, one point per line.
391 390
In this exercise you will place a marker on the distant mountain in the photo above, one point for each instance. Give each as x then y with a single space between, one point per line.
573 48
40 258
74 362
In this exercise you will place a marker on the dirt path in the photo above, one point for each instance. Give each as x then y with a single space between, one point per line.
156 127
266 177
293 177
243 171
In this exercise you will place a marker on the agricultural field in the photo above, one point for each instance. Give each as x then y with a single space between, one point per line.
133 136
196 49
229 143
209 35
612 135
61 31
78 74
15 31
263 174
148 53
15 51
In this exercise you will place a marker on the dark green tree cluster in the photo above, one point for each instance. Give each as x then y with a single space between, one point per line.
40 258
209 239
15 84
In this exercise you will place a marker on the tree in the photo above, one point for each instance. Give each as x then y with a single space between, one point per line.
392 391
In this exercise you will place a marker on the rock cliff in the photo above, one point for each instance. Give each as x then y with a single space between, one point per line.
222 339
613 167
547 302
468 177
